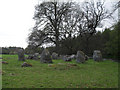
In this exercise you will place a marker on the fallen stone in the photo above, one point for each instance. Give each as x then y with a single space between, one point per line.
67 58
4 62
51 65
25 64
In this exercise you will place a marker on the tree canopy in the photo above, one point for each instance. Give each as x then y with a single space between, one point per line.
70 26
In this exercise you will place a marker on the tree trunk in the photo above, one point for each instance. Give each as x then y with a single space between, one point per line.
87 46
56 29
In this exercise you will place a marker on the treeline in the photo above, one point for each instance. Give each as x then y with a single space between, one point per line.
27 50
107 42
10 50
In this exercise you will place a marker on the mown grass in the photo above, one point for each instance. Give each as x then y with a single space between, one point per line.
88 75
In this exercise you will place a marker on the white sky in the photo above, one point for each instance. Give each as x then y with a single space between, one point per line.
15 21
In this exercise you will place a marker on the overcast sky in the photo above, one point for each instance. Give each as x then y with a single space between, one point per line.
16 21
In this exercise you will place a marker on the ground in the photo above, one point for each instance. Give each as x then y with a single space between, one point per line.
88 75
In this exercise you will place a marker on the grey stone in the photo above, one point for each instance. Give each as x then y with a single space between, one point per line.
21 56
60 56
72 56
80 57
36 56
51 65
67 58
30 56
25 64
86 57
45 57
97 56
4 62
64 58
54 55
61 63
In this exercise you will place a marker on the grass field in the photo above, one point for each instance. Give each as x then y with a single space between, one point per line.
88 75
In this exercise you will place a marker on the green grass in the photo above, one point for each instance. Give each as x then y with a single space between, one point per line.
0 72
88 75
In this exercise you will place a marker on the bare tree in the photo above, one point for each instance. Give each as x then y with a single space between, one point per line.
48 15
94 14
71 20
57 21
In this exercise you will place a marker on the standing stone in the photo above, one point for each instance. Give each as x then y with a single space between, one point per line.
21 56
54 55
97 56
60 56
45 57
36 56
80 57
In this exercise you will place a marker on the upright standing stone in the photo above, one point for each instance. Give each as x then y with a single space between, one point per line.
36 56
21 56
97 56
54 55
45 57
80 57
